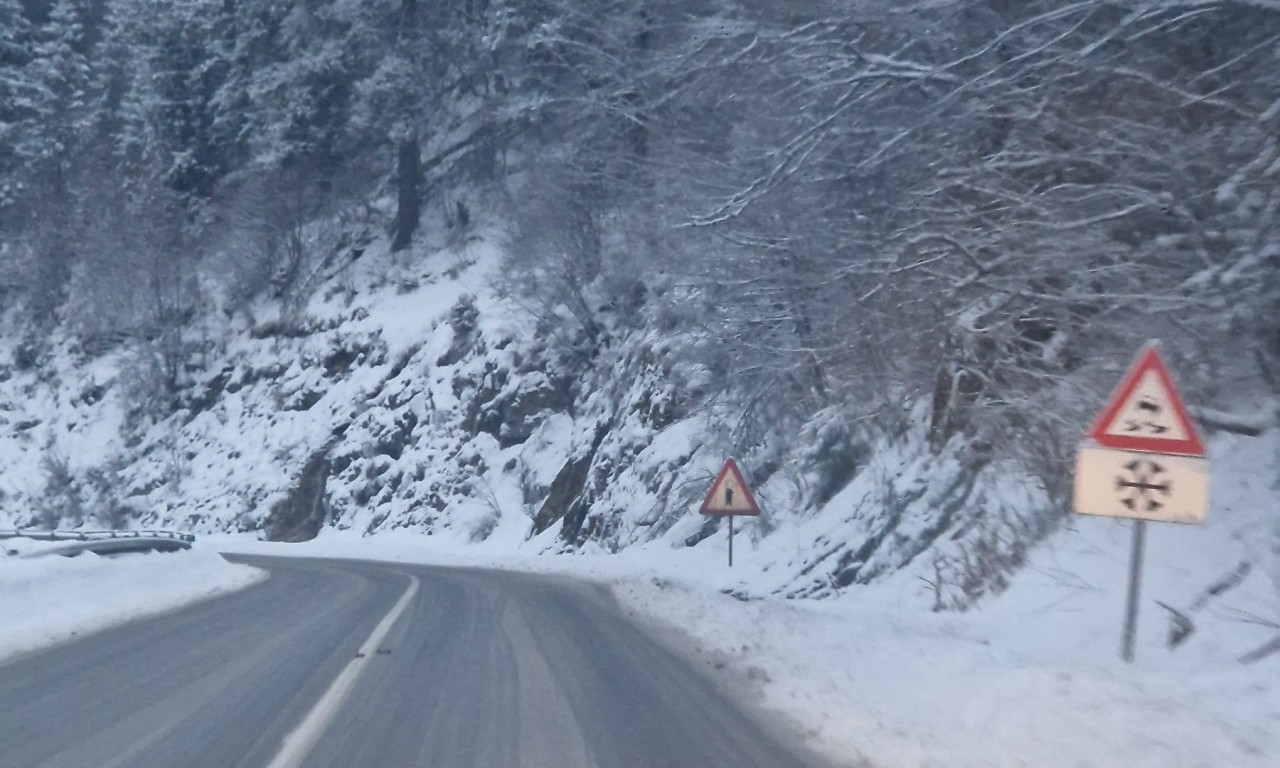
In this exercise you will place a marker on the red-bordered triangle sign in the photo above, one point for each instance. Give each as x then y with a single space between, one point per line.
729 494
1145 413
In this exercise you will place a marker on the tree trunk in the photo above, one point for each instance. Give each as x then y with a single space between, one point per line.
409 192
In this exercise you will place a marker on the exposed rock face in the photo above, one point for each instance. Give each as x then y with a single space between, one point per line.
514 412
564 499
301 514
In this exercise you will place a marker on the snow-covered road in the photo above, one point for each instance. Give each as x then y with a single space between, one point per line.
1030 678
338 663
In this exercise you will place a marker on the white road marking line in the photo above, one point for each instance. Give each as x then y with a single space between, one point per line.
298 744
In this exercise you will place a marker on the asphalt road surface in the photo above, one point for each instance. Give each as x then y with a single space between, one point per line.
350 664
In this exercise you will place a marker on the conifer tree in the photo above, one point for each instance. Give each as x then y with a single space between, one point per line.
15 53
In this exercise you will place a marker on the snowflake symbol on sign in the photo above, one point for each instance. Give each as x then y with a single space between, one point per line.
1144 485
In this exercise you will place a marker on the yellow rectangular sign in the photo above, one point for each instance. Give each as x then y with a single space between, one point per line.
1143 486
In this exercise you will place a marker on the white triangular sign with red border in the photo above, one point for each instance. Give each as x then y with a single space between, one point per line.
1145 413
729 494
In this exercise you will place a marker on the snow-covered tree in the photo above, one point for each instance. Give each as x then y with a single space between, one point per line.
59 76
15 53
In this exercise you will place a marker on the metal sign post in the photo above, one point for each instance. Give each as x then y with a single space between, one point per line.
730 541
1135 586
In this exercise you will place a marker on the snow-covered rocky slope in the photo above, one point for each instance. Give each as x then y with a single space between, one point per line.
404 394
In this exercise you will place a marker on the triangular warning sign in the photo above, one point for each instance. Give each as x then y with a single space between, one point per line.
1145 413
729 494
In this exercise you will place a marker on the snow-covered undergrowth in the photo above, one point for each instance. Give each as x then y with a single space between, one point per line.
1032 678
51 599
405 394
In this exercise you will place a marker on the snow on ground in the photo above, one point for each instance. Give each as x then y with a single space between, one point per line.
1030 678
873 677
48 600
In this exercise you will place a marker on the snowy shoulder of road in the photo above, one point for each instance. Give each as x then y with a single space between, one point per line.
1029 678
50 599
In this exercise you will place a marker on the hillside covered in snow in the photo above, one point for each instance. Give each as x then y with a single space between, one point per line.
524 274
409 395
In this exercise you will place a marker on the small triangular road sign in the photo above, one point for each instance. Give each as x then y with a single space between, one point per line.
1145 413
729 494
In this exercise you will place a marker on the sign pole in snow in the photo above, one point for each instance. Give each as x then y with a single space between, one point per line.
730 496
730 541
1135 585
1143 460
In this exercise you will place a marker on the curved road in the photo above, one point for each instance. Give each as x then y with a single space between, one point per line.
474 669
